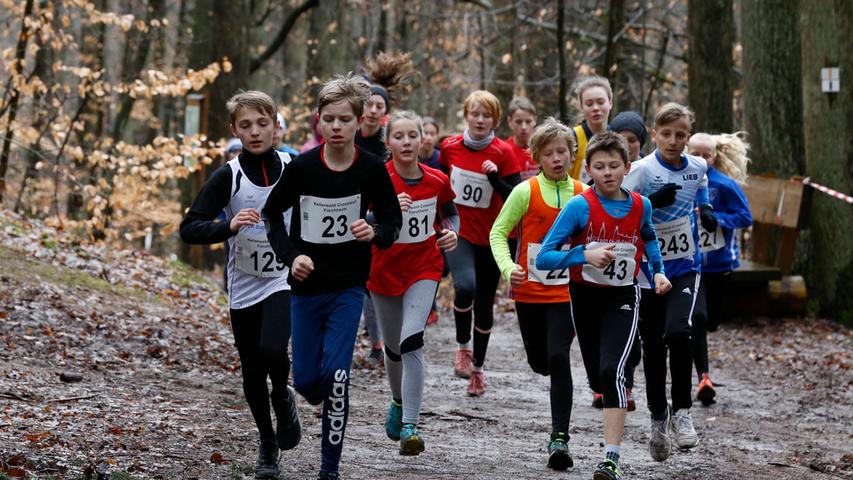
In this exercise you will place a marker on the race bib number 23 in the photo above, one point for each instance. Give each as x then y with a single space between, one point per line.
328 220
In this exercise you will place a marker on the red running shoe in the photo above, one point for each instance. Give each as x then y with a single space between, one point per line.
706 392
464 363
432 319
597 400
476 384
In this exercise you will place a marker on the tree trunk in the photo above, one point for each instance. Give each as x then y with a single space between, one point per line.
561 62
20 53
772 86
710 24
826 28
612 49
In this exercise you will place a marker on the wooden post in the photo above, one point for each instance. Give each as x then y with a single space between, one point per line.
195 122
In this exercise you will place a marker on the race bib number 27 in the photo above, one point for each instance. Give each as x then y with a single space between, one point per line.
328 220
710 241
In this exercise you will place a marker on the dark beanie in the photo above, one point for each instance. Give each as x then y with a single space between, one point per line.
379 90
631 121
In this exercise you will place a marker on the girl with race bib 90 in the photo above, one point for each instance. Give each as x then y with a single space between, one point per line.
404 278
610 229
542 297
726 156
483 171
328 249
258 292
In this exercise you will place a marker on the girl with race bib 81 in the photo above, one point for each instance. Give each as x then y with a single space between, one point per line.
404 278
483 171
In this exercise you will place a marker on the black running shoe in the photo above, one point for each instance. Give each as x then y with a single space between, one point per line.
607 470
329 476
559 457
288 429
267 466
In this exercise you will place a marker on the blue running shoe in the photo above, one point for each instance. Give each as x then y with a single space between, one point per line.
394 420
411 442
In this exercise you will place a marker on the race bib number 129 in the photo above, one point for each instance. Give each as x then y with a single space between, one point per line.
253 254
328 220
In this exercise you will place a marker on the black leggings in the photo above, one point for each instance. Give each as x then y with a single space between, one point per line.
475 279
261 333
606 324
547 332
665 324
711 306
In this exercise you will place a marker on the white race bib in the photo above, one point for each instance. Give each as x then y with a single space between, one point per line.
710 241
620 272
675 239
472 189
328 220
418 221
545 277
253 254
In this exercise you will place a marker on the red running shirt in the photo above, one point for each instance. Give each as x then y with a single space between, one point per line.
526 165
477 203
415 255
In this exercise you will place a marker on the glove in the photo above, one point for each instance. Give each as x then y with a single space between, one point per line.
707 218
665 196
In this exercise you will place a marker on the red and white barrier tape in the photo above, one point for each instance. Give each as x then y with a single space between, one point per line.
828 191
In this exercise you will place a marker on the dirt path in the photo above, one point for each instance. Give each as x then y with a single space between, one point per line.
160 397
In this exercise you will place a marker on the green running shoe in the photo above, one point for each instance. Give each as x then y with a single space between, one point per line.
411 442
559 457
394 420
607 470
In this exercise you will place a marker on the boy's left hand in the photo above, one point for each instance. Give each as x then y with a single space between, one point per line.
447 240
662 284
362 230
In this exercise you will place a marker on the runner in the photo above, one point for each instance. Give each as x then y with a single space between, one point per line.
482 171
726 156
610 229
429 152
596 100
522 121
666 320
328 250
404 278
541 297
258 292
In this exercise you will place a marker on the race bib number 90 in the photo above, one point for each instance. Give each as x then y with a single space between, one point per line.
253 254
418 221
472 189
328 220
620 272
545 277
675 239
710 241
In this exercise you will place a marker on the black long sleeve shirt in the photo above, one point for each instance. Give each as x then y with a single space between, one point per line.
199 226
340 265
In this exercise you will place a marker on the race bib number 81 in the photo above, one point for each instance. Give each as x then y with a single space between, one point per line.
545 277
675 239
328 220
253 254
472 189
418 221
620 272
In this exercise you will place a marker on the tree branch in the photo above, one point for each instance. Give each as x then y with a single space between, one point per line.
281 36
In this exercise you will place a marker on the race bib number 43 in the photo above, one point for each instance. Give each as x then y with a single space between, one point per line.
328 220
545 277
710 241
472 189
675 239
619 272
418 221
253 254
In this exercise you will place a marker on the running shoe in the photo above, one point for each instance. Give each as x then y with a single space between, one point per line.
376 357
632 405
706 392
328 476
597 400
476 384
411 442
464 363
432 319
559 457
607 470
682 428
660 445
288 430
267 465
394 420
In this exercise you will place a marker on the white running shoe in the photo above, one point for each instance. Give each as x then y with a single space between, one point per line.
682 428
660 445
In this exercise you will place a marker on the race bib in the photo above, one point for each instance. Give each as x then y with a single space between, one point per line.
710 241
675 239
620 272
253 254
418 221
328 220
472 189
545 277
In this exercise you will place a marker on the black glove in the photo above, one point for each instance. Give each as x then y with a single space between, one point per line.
707 218
665 196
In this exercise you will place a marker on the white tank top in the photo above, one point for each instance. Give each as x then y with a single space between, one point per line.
254 272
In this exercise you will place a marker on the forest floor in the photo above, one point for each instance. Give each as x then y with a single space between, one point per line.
116 364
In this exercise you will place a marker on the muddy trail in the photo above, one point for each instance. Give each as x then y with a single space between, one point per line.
116 364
